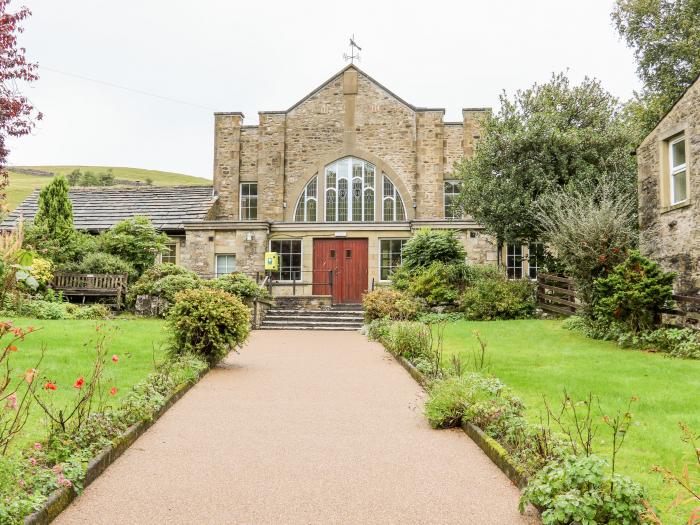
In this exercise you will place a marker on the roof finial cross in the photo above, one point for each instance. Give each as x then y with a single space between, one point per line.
353 54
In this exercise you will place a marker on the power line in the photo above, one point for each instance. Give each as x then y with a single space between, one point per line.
125 88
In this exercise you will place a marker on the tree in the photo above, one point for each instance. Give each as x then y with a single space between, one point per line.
545 139
589 233
134 240
665 38
428 246
17 115
55 212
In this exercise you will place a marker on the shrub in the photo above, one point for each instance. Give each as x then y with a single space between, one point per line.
410 339
455 398
428 246
144 284
42 271
589 231
378 330
438 284
498 298
240 285
101 262
93 311
168 286
634 293
581 490
676 342
208 323
134 240
45 310
385 302
66 249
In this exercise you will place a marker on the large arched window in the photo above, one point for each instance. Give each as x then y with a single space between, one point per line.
306 207
350 186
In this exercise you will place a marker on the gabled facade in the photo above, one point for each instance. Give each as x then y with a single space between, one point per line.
669 187
337 182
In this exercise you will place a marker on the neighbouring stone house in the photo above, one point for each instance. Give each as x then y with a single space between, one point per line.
669 186
337 182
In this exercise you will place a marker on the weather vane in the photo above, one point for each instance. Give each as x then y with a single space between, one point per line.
353 54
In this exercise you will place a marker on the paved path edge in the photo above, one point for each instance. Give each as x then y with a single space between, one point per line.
60 499
492 448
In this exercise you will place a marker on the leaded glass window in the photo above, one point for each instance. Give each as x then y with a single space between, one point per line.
350 190
392 204
306 207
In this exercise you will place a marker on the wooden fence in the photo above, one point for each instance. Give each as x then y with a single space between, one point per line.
557 294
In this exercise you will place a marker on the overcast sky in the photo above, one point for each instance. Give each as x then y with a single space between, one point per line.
265 55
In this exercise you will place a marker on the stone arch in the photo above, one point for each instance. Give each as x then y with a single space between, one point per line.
294 190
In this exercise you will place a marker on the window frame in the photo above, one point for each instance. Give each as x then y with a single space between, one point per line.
175 252
455 184
240 201
675 170
301 260
395 197
216 263
403 241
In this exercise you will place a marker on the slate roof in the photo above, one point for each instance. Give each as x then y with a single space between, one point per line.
96 209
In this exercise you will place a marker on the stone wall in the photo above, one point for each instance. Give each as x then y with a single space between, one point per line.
670 234
202 246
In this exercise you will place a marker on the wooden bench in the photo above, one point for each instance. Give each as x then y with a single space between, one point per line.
91 285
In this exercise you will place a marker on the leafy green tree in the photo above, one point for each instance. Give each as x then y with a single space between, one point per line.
55 211
134 240
545 139
665 38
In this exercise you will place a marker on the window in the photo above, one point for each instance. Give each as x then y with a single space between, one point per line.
350 190
306 207
679 182
169 255
390 254
514 261
535 257
392 204
290 259
225 263
249 201
452 188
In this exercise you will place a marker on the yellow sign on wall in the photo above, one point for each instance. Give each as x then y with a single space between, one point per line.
272 261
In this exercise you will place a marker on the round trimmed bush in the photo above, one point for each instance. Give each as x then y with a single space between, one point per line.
167 287
144 286
240 285
490 299
209 323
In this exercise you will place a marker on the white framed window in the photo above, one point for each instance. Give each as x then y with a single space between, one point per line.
225 263
349 193
514 261
451 193
289 251
392 203
390 257
677 170
308 201
249 201
535 258
169 255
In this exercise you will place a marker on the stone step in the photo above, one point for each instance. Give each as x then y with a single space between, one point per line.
309 322
295 327
329 317
314 312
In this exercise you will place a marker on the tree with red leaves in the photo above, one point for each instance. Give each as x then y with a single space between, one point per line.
17 115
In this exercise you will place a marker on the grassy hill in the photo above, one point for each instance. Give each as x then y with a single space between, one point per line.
22 184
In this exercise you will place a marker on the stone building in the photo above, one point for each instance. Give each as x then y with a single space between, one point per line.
669 186
336 183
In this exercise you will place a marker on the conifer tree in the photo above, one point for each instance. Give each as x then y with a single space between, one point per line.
55 212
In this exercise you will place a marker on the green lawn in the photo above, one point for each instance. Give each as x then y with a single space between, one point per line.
70 353
22 184
536 358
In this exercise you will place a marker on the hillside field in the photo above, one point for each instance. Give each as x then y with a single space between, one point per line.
22 184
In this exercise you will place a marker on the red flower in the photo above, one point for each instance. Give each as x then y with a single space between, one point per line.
12 348
79 383
49 386
113 391
115 358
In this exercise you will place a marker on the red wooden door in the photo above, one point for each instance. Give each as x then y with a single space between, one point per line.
348 260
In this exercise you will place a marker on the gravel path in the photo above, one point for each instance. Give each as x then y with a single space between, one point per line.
301 427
